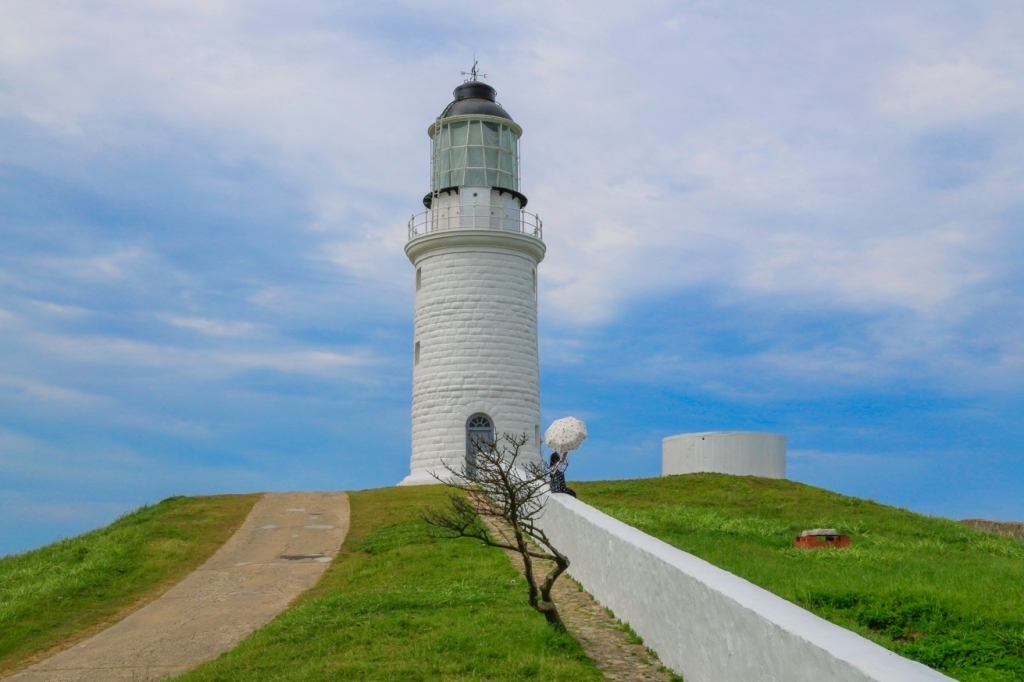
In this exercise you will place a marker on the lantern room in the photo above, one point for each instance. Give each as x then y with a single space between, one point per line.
474 167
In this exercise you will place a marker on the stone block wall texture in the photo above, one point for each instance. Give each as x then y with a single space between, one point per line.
476 326
740 453
705 623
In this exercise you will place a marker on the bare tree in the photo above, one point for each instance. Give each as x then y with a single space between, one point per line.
498 486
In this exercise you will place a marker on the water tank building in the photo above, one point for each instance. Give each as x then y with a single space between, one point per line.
740 453
475 250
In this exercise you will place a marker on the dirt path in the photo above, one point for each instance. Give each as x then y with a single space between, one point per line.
601 635
281 550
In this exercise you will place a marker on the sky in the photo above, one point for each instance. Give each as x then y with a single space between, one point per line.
801 217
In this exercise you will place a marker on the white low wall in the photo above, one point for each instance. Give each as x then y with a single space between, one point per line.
740 453
705 623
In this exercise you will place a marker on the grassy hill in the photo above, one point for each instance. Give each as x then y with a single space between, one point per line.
930 589
398 605
58 594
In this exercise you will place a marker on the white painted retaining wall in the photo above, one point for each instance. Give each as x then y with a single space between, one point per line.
705 623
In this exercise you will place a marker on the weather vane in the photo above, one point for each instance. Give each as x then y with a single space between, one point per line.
474 73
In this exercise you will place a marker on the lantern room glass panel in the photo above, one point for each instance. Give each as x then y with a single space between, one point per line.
475 153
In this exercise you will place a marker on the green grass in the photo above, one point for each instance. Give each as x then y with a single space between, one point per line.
398 605
930 589
58 594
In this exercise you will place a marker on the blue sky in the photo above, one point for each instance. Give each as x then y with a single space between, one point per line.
802 217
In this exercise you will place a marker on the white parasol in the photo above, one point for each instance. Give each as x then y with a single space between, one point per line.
565 434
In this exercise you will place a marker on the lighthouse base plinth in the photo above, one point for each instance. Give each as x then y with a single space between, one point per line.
423 477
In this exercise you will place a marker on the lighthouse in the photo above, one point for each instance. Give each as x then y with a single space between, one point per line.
475 250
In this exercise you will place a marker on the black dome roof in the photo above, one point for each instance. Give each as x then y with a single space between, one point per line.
474 97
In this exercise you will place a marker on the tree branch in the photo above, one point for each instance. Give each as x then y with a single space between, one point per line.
500 487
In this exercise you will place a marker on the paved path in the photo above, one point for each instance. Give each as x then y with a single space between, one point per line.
281 550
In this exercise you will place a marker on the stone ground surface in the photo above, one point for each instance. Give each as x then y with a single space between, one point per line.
280 551
602 636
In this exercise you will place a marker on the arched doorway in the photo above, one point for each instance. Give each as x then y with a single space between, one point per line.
479 430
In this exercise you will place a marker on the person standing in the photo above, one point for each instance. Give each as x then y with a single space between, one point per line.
559 463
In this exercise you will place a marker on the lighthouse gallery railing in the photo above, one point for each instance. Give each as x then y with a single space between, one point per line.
476 217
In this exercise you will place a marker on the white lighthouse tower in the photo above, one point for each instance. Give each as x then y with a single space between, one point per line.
475 366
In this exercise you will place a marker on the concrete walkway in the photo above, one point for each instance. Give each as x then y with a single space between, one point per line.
281 550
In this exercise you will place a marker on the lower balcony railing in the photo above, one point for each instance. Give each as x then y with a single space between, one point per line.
476 217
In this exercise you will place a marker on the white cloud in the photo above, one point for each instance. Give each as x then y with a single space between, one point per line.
30 391
950 90
759 207
307 361
115 351
923 271
212 327
117 265
63 311
33 458
738 178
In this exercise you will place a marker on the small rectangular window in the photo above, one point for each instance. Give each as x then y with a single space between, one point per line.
416 354
419 279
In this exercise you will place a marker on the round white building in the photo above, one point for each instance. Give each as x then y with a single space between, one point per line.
740 453
475 365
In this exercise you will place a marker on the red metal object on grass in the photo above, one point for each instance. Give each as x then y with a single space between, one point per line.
821 537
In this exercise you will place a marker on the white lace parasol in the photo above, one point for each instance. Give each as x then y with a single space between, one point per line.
565 434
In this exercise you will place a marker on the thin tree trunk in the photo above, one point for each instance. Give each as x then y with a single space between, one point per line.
549 580
540 597
498 492
528 565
